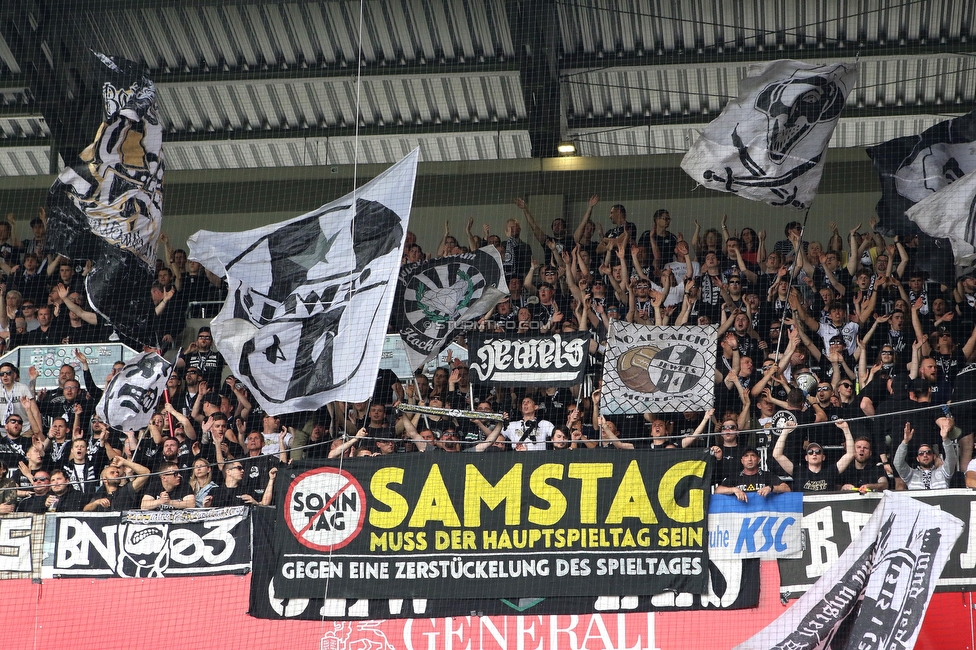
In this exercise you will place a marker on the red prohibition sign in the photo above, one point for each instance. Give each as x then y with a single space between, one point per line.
325 508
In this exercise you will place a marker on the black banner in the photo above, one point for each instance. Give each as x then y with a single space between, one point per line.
831 521
558 360
732 584
152 544
488 525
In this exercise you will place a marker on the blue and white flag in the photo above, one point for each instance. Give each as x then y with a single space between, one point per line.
769 142
768 528
309 299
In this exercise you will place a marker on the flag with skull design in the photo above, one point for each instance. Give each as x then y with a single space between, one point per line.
769 143
131 397
309 299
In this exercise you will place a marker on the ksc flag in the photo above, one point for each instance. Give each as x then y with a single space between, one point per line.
767 528
444 295
107 207
876 593
912 169
769 143
657 369
309 298
130 399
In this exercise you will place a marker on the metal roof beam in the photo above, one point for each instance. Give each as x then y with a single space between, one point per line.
535 33
273 73
600 61
850 113
220 135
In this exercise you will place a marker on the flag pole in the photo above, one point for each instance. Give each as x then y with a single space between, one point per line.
169 416
793 274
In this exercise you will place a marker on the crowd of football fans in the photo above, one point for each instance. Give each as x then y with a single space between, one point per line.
839 366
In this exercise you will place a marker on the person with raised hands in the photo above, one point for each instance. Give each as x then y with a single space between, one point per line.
815 475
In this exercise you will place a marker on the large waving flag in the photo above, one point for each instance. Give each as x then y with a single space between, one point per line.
876 593
769 142
107 207
443 296
914 168
309 299
950 214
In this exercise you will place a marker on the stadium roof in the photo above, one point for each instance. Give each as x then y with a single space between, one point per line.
247 84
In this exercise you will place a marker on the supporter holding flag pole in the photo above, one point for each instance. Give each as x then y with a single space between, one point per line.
309 298
770 142
107 206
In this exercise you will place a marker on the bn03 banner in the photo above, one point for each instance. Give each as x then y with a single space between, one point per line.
558 360
658 369
492 525
152 544
832 521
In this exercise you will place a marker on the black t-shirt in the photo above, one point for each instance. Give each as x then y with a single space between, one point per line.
71 501
33 504
155 488
729 465
825 480
224 497
124 498
752 482
256 472
858 477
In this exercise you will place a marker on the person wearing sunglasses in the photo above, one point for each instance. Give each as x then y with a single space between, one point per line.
928 473
814 473
16 399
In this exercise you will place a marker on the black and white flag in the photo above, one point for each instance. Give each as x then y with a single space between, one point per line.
443 296
876 593
950 214
107 206
130 399
914 168
557 360
650 368
309 299
769 142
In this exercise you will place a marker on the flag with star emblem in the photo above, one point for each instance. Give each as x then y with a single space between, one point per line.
309 299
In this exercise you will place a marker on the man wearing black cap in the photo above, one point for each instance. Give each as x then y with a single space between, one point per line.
751 479
202 355
815 475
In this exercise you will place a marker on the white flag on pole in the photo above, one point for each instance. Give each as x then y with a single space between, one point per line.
309 299
951 213
769 142
131 397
